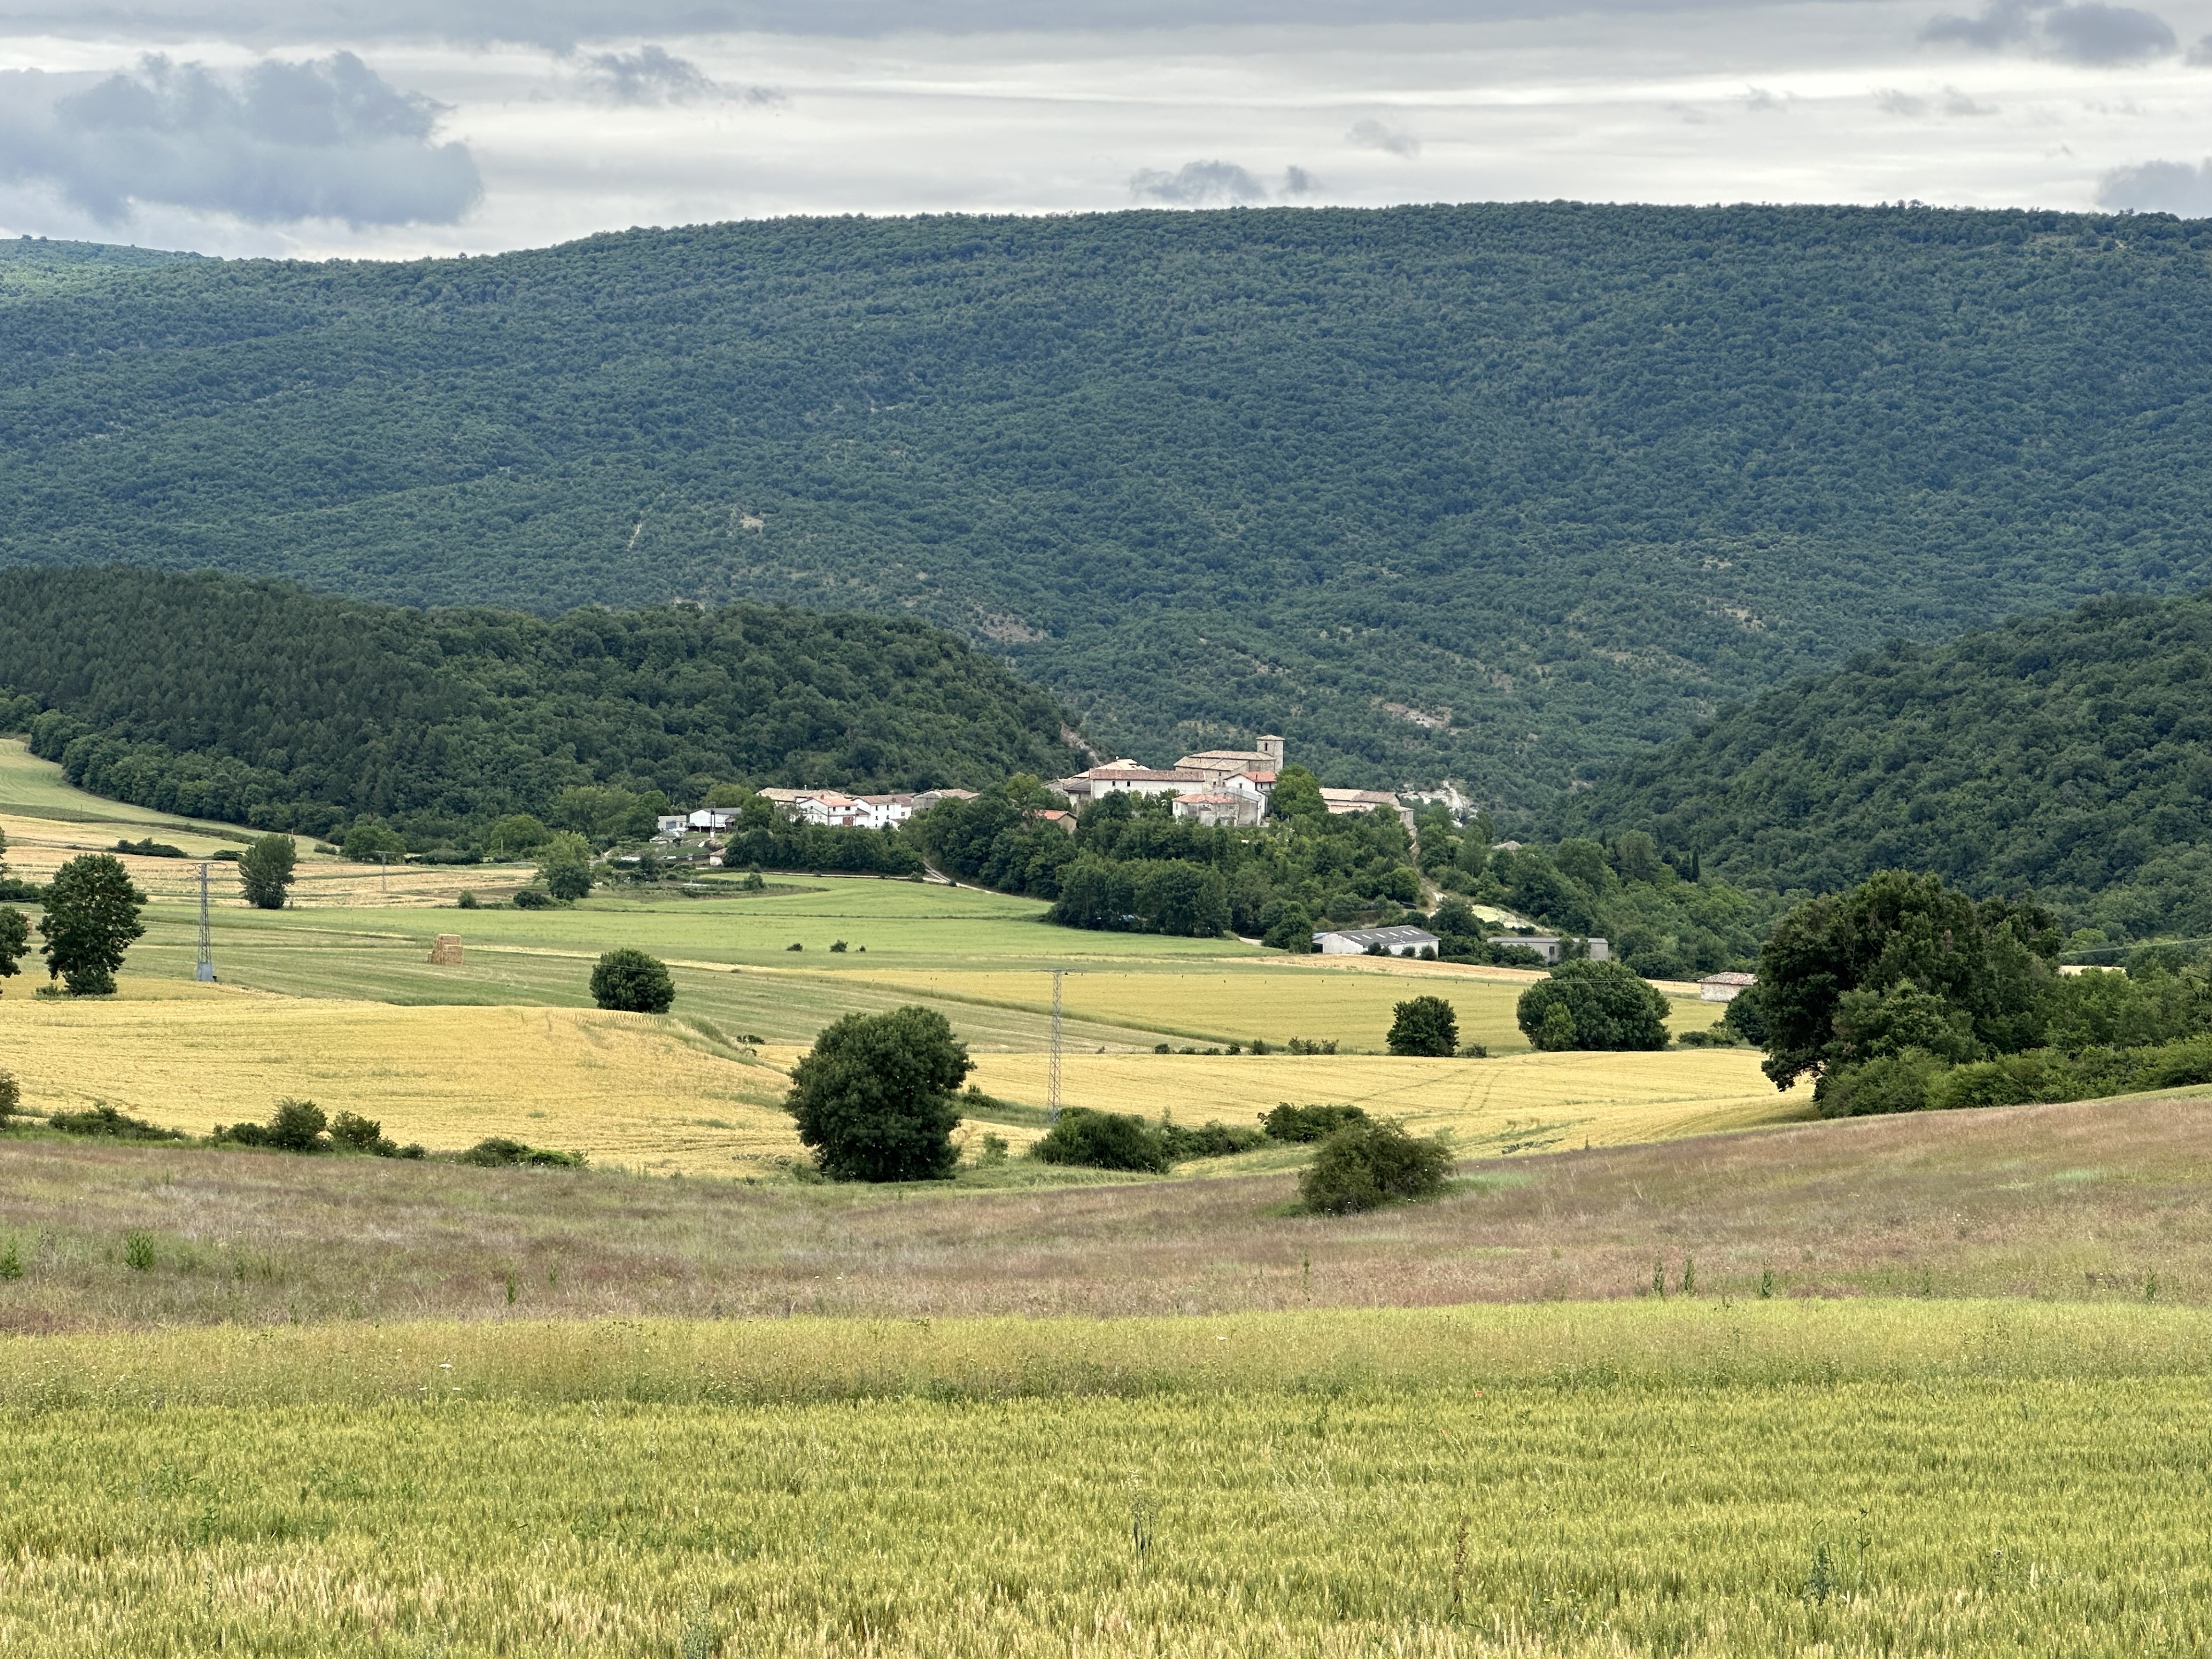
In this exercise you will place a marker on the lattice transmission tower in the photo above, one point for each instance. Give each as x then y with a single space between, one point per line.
205 972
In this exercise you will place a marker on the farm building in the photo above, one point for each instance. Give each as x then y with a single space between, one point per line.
1724 988
1554 949
1340 802
1357 941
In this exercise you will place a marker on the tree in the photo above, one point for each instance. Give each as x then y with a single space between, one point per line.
15 941
516 836
631 982
371 842
1425 1025
1604 1004
1901 961
265 871
875 1097
566 865
1367 1163
92 917
1297 795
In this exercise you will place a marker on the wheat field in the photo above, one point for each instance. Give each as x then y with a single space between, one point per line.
1694 1480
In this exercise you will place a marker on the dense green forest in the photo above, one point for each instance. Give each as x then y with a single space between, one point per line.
259 703
2067 757
1498 492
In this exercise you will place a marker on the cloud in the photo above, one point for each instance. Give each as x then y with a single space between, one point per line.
1759 102
282 142
2159 188
1894 100
1296 181
1373 135
2090 33
1197 184
654 74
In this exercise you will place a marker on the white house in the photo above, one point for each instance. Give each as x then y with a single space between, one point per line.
887 811
1341 802
1354 941
712 818
672 826
1724 988
1551 947
1126 777
1212 807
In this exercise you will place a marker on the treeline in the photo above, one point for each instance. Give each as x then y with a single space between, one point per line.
1132 865
2068 757
1499 492
257 702
1905 994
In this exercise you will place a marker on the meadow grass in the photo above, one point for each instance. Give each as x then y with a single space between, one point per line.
2097 1201
1807 1477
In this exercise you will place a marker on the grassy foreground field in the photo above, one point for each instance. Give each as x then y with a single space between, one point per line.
1777 1479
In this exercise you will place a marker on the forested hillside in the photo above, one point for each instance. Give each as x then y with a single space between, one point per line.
1497 492
261 703
2069 758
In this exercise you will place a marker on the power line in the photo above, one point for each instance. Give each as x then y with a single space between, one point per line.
1052 1087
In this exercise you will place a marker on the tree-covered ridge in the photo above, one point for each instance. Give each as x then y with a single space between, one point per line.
261 703
2065 756
1499 492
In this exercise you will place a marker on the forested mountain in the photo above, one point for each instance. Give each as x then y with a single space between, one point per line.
2068 757
1498 493
259 702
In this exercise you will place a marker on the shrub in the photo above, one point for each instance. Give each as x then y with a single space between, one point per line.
497 1151
350 1133
11 1096
992 1152
632 983
1593 1006
1894 1083
1367 1165
1300 1124
875 1098
1104 1140
1713 1037
138 1252
1209 1140
105 1120
533 898
1308 1045
296 1126
1425 1025
467 901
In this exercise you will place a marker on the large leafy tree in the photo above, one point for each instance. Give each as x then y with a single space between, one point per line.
1902 962
265 870
1424 1026
15 941
91 919
875 1097
630 981
1593 1004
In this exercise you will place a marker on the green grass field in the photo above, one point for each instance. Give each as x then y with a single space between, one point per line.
1703 1480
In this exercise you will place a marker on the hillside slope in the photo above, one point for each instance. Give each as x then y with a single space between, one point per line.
2070 757
1497 492
259 702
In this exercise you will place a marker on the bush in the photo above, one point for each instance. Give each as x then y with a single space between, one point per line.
875 1097
467 901
1426 1026
533 898
632 983
497 1151
1104 1140
1367 1165
1894 1083
114 1125
1713 1037
1209 1140
1300 1124
1593 1006
296 1126
11 1097
350 1133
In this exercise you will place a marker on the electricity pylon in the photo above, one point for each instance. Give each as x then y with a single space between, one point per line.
1052 1086
205 972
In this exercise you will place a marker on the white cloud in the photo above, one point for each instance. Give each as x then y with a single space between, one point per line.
280 143
1373 135
2159 188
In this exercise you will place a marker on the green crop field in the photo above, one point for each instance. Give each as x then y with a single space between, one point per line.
1698 1480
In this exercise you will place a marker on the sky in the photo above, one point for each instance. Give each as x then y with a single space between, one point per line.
398 127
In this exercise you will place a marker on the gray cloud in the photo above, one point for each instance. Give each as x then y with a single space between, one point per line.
1894 100
2090 33
654 74
282 142
1373 135
1296 181
2159 188
1197 184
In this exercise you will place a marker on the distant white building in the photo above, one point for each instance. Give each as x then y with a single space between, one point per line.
1126 777
1552 948
1342 802
1724 988
1223 806
712 818
672 826
1218 764
1355 941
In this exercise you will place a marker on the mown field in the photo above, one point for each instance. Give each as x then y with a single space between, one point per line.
1687 1480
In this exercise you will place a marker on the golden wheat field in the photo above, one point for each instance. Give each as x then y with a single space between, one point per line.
657 1094
1687 1479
